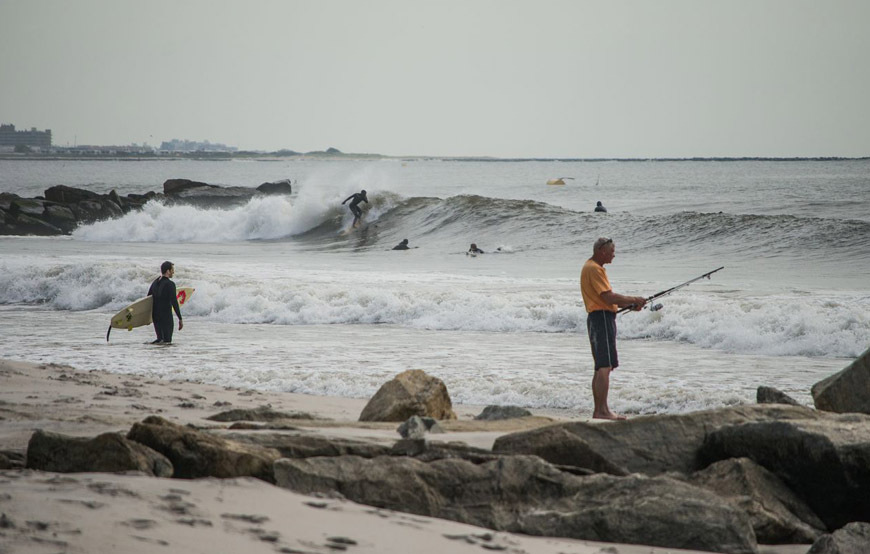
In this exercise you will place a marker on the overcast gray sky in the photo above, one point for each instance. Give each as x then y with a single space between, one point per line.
455 78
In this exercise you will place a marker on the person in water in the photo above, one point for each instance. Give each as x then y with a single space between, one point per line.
474 250
601 306
355 199
599 207
402 245
165 300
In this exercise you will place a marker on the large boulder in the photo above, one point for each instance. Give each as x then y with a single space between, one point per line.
119 200
558 445
196 454
63 194
410 393
135 201
284 186
495 413
184 191
175 186
772 395
6 199
825 461
854 538
847 390
309 446
97 209
778 515
651 445
32 207
27 225
109 452
524 494
40 217
60 216
656 511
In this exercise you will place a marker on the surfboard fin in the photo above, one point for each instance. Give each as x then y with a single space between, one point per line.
107 333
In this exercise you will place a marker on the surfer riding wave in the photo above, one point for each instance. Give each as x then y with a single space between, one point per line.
356 198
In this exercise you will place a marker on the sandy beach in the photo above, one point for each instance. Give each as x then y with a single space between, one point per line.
100 512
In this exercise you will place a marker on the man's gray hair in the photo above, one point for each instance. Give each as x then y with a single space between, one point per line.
600 243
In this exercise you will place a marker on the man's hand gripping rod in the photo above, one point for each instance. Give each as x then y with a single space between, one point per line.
657 307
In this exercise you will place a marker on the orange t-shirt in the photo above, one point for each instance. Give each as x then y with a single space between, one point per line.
594 281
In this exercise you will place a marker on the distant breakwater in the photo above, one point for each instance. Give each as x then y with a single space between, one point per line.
62 208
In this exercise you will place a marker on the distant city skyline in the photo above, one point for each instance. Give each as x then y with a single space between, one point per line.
11 136
551 78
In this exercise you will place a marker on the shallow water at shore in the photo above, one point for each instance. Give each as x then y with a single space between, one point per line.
536 370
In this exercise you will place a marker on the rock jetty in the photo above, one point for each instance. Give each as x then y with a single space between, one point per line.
62 208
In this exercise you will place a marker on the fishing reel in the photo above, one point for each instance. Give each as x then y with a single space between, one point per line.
657 307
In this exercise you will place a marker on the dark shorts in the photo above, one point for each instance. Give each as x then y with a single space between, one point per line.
163 328
601 326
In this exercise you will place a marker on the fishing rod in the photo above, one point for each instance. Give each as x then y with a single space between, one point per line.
657 307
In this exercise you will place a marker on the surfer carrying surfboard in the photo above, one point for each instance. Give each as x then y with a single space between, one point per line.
356 198
165 300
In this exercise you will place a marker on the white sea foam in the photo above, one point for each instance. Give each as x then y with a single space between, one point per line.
781 325
261 218
778 325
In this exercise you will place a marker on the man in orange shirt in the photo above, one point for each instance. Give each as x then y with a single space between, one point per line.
601 306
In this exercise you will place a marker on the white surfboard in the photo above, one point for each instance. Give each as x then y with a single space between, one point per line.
138 313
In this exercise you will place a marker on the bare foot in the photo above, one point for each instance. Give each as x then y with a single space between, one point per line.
608 415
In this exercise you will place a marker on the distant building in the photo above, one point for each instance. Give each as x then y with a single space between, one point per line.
89 150
176 145
10 137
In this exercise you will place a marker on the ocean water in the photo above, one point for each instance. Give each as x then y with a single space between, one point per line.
286 300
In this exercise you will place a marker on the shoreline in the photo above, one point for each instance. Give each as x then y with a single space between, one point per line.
68 400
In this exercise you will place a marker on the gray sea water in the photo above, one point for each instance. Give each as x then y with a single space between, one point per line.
286 301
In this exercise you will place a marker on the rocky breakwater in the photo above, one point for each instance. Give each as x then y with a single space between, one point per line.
723 480
62 208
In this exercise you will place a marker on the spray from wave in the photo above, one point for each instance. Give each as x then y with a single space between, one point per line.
261 218
267 218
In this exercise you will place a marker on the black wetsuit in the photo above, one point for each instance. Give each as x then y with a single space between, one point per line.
356 197
600 208
165 300
402 246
